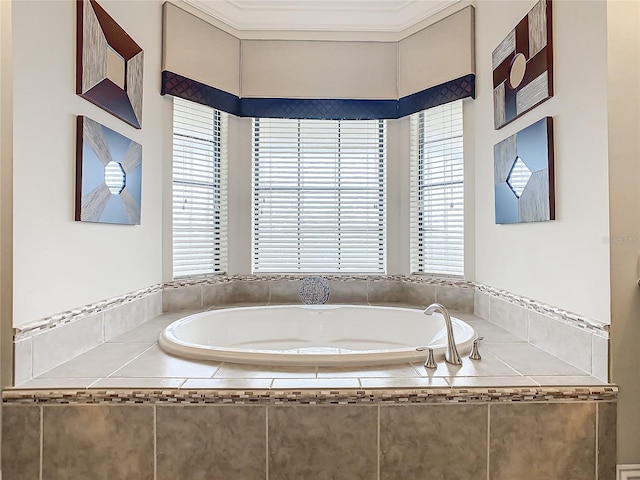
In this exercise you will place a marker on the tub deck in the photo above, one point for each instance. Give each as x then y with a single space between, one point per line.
134 360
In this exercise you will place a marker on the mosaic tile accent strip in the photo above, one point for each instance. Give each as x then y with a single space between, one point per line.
314 291
441 281
79 313
592 326
311 397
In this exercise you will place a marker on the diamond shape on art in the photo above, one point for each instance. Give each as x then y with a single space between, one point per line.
518 176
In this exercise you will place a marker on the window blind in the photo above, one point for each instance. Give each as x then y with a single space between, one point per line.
319 196
437 191
199 189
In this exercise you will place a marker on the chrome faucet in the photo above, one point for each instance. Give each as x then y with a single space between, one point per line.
451 355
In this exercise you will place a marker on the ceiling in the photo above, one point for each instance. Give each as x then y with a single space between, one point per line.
321 15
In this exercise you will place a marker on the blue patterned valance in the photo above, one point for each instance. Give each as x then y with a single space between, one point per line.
325 109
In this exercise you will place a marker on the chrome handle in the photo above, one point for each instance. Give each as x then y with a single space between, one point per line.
475 354
431 361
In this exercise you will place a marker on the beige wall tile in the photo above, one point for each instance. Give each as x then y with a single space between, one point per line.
236 293
456 298
349 293
124 317
542 441
481 305
154 305
23 361
511 317
56 346
98 442
568 343
211 442
607 417
600 357
21 442
181 298
339 441
284 292
433 441
417 295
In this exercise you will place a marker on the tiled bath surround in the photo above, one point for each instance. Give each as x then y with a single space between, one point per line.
42 345
500 434
578 341
45 344
574 339
429 424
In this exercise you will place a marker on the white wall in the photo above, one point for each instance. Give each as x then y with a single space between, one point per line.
623 20
565 262
59 263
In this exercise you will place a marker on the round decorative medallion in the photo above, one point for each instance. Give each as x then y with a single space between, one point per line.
314 291
517 71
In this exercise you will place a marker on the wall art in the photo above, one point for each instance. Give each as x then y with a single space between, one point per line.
523 66
523 175
108 64
108 175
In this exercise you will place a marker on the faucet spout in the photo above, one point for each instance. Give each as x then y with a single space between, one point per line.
451 355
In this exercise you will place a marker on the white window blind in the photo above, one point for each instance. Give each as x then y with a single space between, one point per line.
437 191
319 196
199 189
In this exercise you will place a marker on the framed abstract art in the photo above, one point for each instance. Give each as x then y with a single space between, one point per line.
109 64
108 175
523 66
524 175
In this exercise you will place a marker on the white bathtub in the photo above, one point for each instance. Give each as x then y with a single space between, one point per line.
320 335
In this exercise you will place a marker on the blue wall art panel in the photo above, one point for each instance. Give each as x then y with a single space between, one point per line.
108 175
523 175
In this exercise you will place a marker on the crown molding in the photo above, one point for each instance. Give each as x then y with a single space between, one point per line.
379 16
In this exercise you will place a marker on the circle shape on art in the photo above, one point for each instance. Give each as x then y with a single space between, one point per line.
517 70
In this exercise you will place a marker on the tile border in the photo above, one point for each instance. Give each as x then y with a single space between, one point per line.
216 279
310 397
555 313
